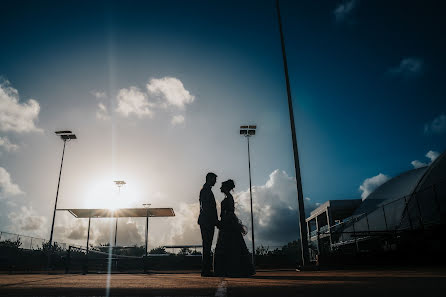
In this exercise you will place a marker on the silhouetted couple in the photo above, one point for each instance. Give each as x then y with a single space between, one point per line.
231 257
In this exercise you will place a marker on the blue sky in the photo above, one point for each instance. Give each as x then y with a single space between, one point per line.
156 92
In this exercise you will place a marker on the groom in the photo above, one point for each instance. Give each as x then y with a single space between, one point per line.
207 220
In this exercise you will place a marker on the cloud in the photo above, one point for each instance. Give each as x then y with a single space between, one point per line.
128 232
275 209
78 233
184 228
102 112
408 67
370 184
344 9
418 164
170 90
7 145
27 220
178 119
431 155
437 126
99 94
7 187
133 101
16 116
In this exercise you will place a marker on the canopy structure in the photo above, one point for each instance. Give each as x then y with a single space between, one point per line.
120 212
102 213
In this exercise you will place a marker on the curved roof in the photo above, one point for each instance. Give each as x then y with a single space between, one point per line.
395 188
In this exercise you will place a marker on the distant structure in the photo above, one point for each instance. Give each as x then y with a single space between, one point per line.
406 212
322 219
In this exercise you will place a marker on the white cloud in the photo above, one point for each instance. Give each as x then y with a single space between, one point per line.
178 119
133 101
370 184
7 145
170 90
432 155
99 94
418 164
344 9
184 228
408 67
102 112
28 220
16 116
7 187
275 209
437 126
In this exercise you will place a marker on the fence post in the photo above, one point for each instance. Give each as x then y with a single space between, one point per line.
419 211
434 189
385 219
408 213
31 244
367 220
354 235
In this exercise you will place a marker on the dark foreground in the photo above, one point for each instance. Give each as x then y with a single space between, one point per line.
420 282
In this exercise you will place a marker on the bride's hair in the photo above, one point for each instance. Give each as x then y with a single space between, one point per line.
228 184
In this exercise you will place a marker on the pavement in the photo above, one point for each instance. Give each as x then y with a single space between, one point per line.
420 282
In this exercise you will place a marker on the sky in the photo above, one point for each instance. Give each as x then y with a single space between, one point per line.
156 91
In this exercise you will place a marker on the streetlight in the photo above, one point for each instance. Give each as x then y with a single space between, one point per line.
247 132
119 184
65 136
147 205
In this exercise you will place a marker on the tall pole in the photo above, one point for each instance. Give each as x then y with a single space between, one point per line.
147 230
147 205
55 207
252 216
88 233
300 198
116 221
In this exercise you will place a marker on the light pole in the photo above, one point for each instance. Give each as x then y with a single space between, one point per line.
247 132
119 184
300 198
65 136
147 205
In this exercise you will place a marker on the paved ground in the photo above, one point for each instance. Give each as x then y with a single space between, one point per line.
423 282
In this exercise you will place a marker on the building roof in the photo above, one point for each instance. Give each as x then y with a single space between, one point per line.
120 212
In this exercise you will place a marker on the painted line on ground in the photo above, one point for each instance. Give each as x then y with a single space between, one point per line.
222 289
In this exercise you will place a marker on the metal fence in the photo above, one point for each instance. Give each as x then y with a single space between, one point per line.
28 242
418 211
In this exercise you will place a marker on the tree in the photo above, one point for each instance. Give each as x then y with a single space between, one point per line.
185 251
158 250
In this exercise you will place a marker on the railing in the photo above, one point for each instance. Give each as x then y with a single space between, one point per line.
30 242
417 211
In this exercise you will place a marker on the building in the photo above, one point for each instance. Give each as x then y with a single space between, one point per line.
409 209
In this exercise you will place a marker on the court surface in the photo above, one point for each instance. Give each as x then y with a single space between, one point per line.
421 282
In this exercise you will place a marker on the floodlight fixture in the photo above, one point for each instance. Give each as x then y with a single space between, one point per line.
119 183
248 130
66 135
63 132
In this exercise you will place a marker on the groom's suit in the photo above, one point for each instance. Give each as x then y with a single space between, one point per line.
207 220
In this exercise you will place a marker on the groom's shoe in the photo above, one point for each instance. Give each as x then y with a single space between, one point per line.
207 274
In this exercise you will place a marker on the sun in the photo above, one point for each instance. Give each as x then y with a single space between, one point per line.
103 193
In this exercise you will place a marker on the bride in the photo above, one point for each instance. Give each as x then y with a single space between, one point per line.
232 257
